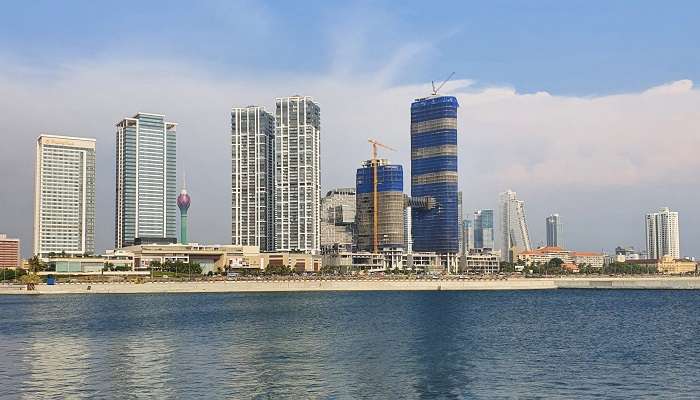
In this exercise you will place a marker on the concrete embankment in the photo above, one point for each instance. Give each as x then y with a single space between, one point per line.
361 285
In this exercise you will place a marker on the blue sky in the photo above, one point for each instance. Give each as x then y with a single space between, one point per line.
564 47
585 108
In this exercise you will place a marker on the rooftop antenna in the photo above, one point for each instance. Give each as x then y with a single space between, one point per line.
436 90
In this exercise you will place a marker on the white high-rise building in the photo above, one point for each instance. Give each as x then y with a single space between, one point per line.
555 230
514 232
297 174
64 195
407 228
662 234
252 177
146 192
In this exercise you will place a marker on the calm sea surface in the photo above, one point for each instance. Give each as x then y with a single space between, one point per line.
399 345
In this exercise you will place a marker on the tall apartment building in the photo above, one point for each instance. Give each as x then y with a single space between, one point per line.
514 232
146 174
297 174
407 230
484 237
9 252
662 234
555 230
252 177
467 236
434 174
338 227
389 207
64 195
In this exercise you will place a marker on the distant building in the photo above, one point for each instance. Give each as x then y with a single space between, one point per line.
338 228
544 255
297 175
146 172
298 262
484 237
9 252
514 233
209 257
64 199
662 234
479 262
252 177
390 207
554 231
407 227
667 265
467 236
460 221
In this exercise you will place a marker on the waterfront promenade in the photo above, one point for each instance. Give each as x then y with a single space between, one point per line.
310 285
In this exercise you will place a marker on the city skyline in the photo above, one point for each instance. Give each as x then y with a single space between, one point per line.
514 120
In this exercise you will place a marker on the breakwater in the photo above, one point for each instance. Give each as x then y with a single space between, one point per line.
300 285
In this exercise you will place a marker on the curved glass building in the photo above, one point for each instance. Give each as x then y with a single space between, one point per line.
434 173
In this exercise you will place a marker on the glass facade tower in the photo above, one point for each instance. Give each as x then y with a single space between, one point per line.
434 174
483 229
146 176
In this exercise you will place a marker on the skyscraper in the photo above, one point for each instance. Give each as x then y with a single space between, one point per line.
146 180
555 236
338 220
662 234
434 173
467 236
483 229
252 177
297 174
390 198
514 233
64 205
183 203
460 221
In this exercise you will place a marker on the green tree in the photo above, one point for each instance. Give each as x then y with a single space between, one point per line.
36 265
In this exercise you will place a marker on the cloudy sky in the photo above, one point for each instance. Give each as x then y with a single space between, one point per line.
584 108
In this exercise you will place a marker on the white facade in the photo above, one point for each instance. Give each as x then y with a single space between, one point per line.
662 235
407 227
514 232
252 177
64 205
297 174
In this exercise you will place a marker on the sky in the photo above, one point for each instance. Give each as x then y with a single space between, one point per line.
588 109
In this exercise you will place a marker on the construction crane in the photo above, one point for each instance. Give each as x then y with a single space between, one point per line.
375 192
436 90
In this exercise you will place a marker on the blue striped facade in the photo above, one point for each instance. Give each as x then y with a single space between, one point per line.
389 179
435 174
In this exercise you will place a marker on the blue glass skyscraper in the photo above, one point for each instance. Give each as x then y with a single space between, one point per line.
434 173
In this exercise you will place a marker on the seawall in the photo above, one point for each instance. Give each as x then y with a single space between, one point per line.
360 285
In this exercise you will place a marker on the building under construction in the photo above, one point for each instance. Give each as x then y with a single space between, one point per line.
389 208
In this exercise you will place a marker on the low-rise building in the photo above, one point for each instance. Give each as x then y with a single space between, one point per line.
87 265
215 258
543 255
667 265
481 262
299 262
9 252
346 262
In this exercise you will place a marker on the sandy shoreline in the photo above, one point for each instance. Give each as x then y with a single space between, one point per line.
361 285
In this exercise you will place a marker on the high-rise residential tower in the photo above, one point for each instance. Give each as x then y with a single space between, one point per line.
389 208
514 233
297 174
252 177
662 234
146 180
64 199
555 233
483 230
434 174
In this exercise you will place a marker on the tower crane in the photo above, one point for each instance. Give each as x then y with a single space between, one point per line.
375 195
436 90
